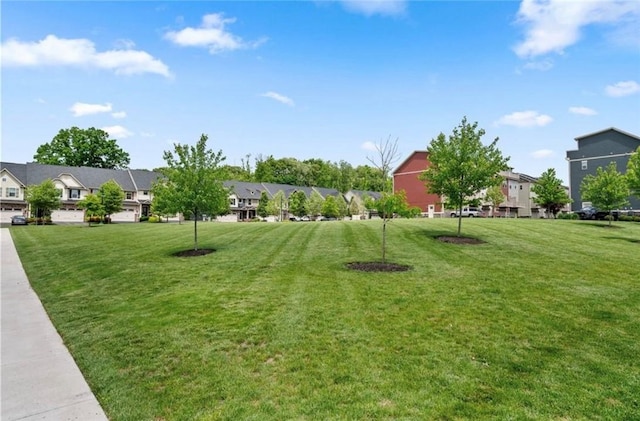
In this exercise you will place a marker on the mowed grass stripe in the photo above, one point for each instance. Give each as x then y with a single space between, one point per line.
272 326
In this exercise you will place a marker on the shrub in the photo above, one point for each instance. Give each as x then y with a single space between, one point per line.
144 218
154 219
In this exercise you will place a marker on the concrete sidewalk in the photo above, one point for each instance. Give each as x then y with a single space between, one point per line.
40 379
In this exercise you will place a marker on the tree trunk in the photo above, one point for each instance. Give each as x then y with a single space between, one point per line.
460 220
384 239
195 229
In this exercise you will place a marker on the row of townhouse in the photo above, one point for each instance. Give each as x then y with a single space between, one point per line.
595 150
74 183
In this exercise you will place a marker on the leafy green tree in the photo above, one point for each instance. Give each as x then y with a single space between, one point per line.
77 147
43 198
607 190
354 207
277 205
298 203
164 204
261 210
494 196
633 172
194 182
549 192
461 166
389 205
368 178
343 206
330 207
111 197
92 207
315 204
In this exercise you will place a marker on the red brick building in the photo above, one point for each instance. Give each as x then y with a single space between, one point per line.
405 177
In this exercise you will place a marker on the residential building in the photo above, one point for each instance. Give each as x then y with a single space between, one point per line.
598 150
406 177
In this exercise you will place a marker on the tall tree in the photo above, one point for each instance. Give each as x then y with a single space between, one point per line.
549 192
461 166
77 147
164 204
330 207
261 210
92 207
315 204
111 197
298 203
386 155
494 196
194 182
633 172
607 190
43 198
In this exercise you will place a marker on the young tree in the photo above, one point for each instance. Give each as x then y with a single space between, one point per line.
461 165
82 148
315 204
330 207
111 197
549 192
388 206
607 190
633 172
164 204
494 196
277 205
298 203
387 155
43 198
92 206
194 182
261 210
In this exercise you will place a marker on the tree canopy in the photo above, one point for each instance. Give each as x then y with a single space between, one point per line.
494 196
461 166
77 147
550 194
43 198
388 206
92 206
298 203
633 172
111 197
193 182
607 190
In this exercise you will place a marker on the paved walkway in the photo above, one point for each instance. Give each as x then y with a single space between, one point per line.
40 379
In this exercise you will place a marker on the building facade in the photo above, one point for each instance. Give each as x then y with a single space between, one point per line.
598 150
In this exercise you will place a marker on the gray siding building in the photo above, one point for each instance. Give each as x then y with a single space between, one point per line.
598 150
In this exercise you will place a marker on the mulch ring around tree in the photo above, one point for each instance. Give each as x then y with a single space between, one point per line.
377 267
193 252
459 240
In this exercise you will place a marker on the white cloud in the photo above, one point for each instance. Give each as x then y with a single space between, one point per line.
582 111
625 88
80 108
376 7
542 153
54 51
118 132
212 35
369 146
119 114
542 65
280 98
524 119
553 25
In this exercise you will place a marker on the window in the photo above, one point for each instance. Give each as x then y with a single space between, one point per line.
12 192
129 195
584 165
520 186
232 201
74 193
145 193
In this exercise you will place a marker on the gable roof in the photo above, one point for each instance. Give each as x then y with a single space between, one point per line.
246 189
17 171
607 130
409 159
91 178
144 179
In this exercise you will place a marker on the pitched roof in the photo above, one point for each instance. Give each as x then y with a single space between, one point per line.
324 192
607 130
19 171
287 189
246 189
144 179
91 178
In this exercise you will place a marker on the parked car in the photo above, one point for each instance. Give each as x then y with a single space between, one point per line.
467 212
18 220
590 212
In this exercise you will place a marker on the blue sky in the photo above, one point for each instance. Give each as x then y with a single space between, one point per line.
320 79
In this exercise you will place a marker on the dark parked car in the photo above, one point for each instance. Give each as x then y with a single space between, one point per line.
18 220
589 212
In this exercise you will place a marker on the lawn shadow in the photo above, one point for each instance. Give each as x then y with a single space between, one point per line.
631 240
450 237
604 224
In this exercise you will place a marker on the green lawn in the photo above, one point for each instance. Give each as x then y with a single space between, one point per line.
540 322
